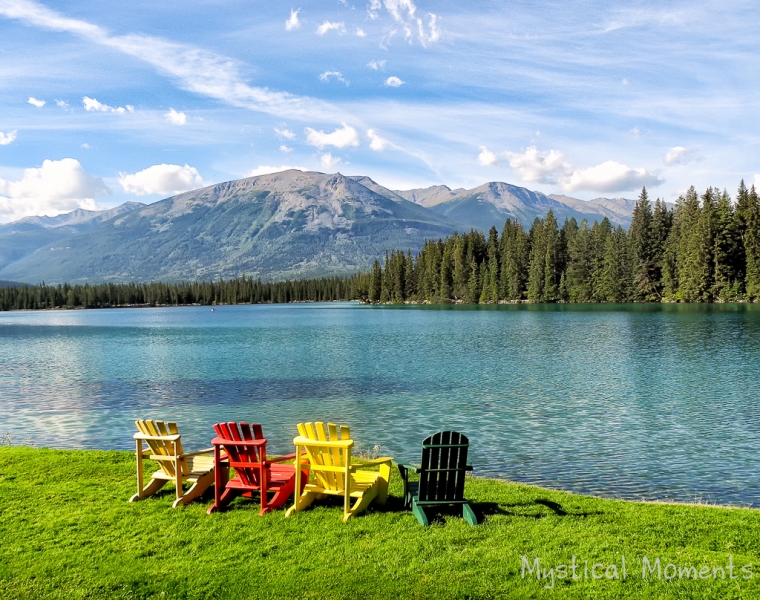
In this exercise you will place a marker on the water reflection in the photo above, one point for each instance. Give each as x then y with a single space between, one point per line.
628 401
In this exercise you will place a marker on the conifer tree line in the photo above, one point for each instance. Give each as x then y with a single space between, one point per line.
705 249
233 291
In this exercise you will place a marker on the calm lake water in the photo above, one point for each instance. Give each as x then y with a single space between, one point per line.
639 402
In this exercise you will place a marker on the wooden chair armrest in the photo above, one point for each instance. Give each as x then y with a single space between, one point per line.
169 438
405 469
372 463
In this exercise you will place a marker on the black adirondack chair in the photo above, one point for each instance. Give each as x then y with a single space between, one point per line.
444 464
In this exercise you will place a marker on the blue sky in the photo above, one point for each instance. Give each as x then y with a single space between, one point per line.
588 99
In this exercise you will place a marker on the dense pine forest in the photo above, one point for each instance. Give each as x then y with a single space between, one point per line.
705 249
234 291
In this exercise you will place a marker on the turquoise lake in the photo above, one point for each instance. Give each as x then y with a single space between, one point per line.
637 402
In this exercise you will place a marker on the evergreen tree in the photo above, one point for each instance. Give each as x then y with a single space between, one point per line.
752 246
490 292
537 265
726 286
644 287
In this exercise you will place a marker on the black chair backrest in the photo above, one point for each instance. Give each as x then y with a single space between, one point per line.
444 458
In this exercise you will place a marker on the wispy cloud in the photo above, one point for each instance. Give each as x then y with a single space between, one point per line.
377 143
194 69
7 138
58 186
61 104
394 81
285 148
91 104
35 102
331 26
327 75
340 138
161 179
376 65
293 22
360 32
486 158
678 155
267 170
175 118
328 161
285 133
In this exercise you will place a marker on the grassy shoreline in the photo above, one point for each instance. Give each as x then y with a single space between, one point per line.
68 531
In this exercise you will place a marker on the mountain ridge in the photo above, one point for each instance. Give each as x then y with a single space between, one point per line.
290 224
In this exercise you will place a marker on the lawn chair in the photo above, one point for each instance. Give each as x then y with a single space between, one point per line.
332 472
442 476
246 452
165 447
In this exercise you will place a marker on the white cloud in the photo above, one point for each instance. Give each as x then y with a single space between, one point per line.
86 146
376 64
360 32
163 179
7 138
327 75
286 133
486 158
541 167
175 118
293 22
610 176
625 81
678 155
551 167
372 8
285 148
394 81
58 186
404 13
91 104
61 103
329 26
340 138
266 170
35 102
397 7
329 161
377 143
195 70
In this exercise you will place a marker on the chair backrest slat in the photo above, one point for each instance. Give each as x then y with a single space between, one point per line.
163 447
444 461
328 457
240 455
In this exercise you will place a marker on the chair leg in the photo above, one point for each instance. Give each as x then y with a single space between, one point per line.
303 501
469 515
383 480
197 489
153 486
225 498
362 503
419 512
280 496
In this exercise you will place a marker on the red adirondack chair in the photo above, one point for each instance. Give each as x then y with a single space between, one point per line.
246 449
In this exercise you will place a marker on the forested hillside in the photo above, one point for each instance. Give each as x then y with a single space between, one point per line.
706 249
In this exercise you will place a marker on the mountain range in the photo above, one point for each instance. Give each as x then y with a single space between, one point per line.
283 225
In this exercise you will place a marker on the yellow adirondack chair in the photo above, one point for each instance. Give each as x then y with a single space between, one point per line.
165 447
331 472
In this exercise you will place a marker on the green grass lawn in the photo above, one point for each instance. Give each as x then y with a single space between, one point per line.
67 531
